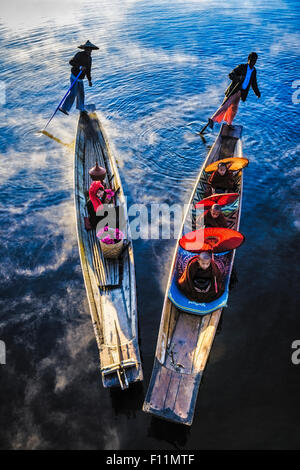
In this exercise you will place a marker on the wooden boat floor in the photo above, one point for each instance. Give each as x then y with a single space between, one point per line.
182 346
108 272
174 383
172 394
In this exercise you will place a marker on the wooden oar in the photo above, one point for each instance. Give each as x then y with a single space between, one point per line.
60 103
203 129
51 136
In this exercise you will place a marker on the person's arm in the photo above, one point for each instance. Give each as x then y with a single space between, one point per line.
75 61
212 178
219 276
223 220
254 84
185 278
103 198
236 74
231 181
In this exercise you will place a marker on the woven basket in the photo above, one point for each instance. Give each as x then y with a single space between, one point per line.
112 251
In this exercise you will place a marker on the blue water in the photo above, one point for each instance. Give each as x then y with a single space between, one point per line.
160 72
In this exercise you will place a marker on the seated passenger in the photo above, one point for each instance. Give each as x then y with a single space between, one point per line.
97 197
214 217
202 279
221 180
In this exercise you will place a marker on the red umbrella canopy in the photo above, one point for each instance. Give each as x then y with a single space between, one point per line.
221 199
213 239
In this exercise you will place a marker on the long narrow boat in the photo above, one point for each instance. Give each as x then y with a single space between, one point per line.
110 283
187 330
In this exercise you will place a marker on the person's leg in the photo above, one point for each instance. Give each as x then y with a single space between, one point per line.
225 109
68 103
233 109
80 96
218 116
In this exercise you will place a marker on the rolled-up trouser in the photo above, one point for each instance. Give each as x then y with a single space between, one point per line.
228 110
76 92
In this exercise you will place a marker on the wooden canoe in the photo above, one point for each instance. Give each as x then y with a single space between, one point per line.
110 283
186 337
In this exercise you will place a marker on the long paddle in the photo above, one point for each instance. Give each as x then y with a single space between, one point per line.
60 103
203 129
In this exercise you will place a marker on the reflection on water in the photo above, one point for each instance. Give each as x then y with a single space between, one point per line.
174 434
128 402
160 72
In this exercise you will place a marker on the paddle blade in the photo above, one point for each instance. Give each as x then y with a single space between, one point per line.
51 136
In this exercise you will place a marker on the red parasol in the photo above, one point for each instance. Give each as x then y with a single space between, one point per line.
221 199
213 239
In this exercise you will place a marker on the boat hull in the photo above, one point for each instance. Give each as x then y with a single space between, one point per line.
187 331
110 284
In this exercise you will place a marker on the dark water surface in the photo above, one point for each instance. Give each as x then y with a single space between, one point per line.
161 70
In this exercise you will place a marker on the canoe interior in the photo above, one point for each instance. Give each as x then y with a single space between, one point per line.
110 283
185 340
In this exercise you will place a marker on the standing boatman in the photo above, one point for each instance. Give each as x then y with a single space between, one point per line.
82 61
242 77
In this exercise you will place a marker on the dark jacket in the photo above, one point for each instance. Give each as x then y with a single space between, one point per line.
238 76
93 217
210 221
193 272
225 182
81 58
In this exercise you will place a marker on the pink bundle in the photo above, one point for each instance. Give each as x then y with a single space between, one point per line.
113 236
107 240
109 193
